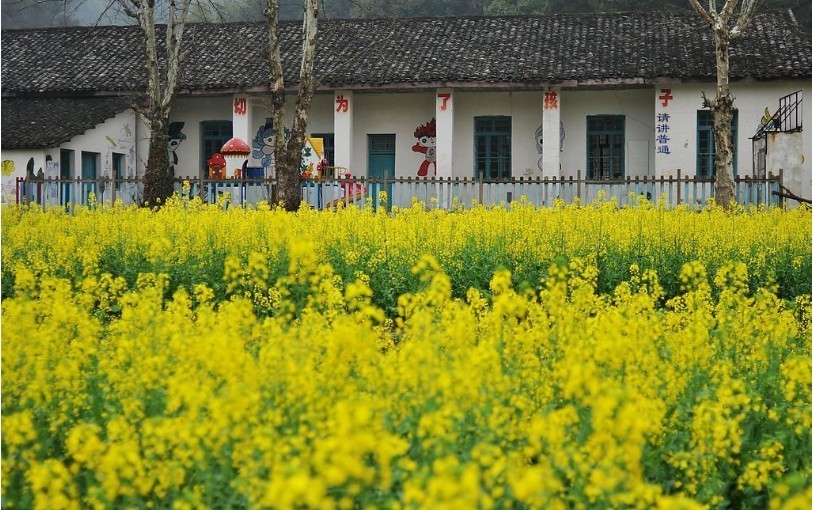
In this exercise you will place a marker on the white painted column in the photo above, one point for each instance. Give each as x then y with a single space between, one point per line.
444 132
242 121
665 165
551 107
343 131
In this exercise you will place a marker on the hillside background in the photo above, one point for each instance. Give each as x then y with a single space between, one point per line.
48 13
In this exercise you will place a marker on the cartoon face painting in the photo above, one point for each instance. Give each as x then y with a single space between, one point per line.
263 144
426 135
175 139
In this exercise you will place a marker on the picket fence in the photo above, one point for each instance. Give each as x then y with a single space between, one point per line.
402 192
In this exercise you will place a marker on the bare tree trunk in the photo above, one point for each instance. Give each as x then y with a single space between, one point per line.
723 115
288 153
158 175
722 107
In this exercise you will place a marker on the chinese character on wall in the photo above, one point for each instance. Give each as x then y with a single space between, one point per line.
240 105
342 104
661 130
551 100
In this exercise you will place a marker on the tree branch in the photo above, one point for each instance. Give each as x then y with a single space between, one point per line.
704 14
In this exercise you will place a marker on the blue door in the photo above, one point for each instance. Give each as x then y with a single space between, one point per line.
66 173
90 165
381 165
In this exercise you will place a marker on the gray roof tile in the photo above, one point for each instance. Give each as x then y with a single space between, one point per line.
411 51
38 123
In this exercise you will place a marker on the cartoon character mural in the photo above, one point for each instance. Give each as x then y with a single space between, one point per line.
426 134
312 157
175 139
540 140
9 188
263 144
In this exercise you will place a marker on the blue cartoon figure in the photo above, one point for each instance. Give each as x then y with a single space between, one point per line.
263 144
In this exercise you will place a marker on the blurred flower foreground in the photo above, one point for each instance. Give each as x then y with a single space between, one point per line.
587 356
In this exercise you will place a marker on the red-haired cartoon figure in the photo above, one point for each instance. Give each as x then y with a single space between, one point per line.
426 145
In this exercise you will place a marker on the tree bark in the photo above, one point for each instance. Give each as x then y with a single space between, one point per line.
722 107
288 152
723 115
158 176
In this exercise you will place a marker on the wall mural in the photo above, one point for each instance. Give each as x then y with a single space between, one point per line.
51 172
127 143
426 135
9 188
175 139
539 139
263 145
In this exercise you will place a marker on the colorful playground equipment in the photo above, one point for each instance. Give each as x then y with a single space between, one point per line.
324 186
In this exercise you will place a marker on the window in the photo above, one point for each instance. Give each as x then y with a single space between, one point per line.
492 147
330 146
118 164
90 165
90 172
65 173
705 144
213 134
605 147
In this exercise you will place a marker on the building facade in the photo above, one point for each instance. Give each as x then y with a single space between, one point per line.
598 96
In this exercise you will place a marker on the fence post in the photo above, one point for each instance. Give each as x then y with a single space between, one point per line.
578 184
782 187
482 176
384 189
113 177
679 196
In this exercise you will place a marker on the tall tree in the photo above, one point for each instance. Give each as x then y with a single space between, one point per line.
288 150
161 86
726 24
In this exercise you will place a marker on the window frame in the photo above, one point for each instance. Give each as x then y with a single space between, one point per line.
614 159
705 166
497 136
205 137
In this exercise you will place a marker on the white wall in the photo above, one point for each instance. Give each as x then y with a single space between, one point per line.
115 135
383 114
401 113
14 165
639 127
750 99
525 110
192 112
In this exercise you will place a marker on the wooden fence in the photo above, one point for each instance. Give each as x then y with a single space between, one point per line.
401 192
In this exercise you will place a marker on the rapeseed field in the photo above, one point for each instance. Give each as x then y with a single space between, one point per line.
583 356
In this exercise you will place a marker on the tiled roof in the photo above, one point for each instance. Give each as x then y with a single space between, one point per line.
36 123
574 49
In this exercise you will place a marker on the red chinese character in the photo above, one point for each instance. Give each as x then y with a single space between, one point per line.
551 100
445 98
240 105
665 97
343 104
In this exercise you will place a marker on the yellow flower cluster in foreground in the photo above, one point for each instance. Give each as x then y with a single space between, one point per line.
296 390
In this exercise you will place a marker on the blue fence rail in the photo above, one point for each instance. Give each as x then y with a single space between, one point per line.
441 193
